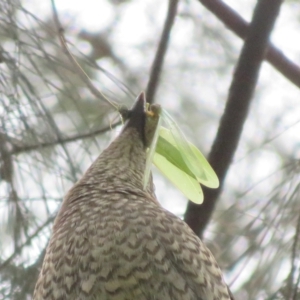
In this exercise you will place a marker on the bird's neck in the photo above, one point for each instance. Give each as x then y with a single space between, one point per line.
121 165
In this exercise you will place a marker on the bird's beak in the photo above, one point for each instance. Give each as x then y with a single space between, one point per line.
137 116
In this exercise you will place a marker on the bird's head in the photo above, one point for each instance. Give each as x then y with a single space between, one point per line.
123 162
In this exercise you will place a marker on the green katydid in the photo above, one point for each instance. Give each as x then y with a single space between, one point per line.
179 160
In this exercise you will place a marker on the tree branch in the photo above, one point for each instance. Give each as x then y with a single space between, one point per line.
77 68
26 243
17 149
239 26
293 284
236 110
161 52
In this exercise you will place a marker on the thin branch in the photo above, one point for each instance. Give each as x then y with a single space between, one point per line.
236 110
26 243
21 149
295 255
24 278
239 26
161 52
83 76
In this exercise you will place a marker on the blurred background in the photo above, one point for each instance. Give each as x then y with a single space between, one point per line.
52 127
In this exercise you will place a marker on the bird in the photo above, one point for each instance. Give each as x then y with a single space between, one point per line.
112 240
